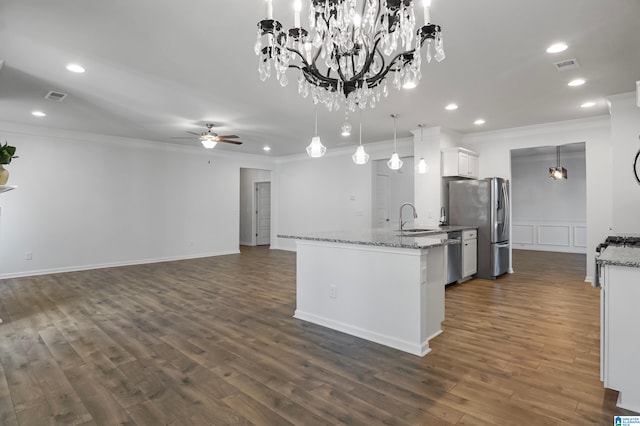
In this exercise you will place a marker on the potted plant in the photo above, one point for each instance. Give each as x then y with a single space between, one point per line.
7 153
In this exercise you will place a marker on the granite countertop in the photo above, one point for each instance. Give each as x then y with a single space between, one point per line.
384 237
620 256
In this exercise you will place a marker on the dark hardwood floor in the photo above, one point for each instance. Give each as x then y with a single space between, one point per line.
213 342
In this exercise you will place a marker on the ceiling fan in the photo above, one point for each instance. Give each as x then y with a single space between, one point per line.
209 139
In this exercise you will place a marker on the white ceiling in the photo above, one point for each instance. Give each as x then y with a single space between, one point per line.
156 69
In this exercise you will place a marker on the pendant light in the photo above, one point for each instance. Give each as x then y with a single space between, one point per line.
394 163
315 148
557 172
422 167
360 156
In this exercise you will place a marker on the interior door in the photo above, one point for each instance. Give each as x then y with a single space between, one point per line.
263 213
381 201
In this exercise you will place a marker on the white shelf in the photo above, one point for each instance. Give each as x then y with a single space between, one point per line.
5 188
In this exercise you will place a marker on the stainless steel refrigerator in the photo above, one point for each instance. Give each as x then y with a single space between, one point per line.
484 204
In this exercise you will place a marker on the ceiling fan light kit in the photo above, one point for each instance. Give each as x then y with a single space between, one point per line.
210 139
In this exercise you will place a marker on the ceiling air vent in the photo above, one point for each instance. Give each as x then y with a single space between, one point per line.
55 96
567 64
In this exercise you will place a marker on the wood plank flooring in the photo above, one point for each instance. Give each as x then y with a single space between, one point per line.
213 342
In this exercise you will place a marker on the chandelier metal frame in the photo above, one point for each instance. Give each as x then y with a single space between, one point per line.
346 56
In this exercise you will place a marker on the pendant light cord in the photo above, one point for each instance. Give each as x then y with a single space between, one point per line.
395 144
316 121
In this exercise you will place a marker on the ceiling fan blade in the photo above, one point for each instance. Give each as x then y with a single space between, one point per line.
233 142
185 137
193 133
229 136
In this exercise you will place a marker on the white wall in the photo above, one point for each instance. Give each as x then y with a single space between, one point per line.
88 201
401 183
625 140
330 193
248 178
430 188
495 160
549 214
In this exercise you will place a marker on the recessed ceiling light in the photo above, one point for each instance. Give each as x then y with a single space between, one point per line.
588 104
451 107
75 68
38 113
479 122
577 82
557 47
267 148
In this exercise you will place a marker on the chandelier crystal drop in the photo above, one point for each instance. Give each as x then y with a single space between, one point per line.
349 48
345 130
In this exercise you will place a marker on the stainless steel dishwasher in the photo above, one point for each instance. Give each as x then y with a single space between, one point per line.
454 258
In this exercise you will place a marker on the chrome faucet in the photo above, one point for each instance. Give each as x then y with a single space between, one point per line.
443 216
415 214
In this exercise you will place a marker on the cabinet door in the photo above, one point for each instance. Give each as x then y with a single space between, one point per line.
473 166
463 164
469 257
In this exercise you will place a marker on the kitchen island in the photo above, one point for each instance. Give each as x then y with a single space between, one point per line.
619 319
380 285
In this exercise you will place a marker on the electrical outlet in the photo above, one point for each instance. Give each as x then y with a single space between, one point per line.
333 291
28 255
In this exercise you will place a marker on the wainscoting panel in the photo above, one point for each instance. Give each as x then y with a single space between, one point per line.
564 237
523 234
580 236
554 235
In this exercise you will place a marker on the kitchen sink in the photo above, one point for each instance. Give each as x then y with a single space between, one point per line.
412 230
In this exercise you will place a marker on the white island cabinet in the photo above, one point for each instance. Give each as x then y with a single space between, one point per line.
620 319
383 288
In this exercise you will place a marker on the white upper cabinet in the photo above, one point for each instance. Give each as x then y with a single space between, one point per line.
459 162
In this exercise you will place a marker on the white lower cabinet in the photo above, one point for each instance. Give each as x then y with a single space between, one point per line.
620 339
469 253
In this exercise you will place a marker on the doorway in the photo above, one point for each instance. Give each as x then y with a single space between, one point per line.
549 214
255 207
263 213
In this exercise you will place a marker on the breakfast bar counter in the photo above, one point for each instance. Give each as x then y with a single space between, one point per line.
379 284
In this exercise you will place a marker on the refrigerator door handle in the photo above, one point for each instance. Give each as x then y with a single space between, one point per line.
507 208
503 245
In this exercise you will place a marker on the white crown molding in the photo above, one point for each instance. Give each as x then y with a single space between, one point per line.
579 125
8 128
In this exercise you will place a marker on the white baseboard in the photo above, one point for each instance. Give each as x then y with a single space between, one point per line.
112 265
555 249
245 243
412 348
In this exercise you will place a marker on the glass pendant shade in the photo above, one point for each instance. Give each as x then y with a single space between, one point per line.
360 157
346 129
208 143
315 148
395 163
422 166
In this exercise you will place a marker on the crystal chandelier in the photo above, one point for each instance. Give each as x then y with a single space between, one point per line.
349 48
